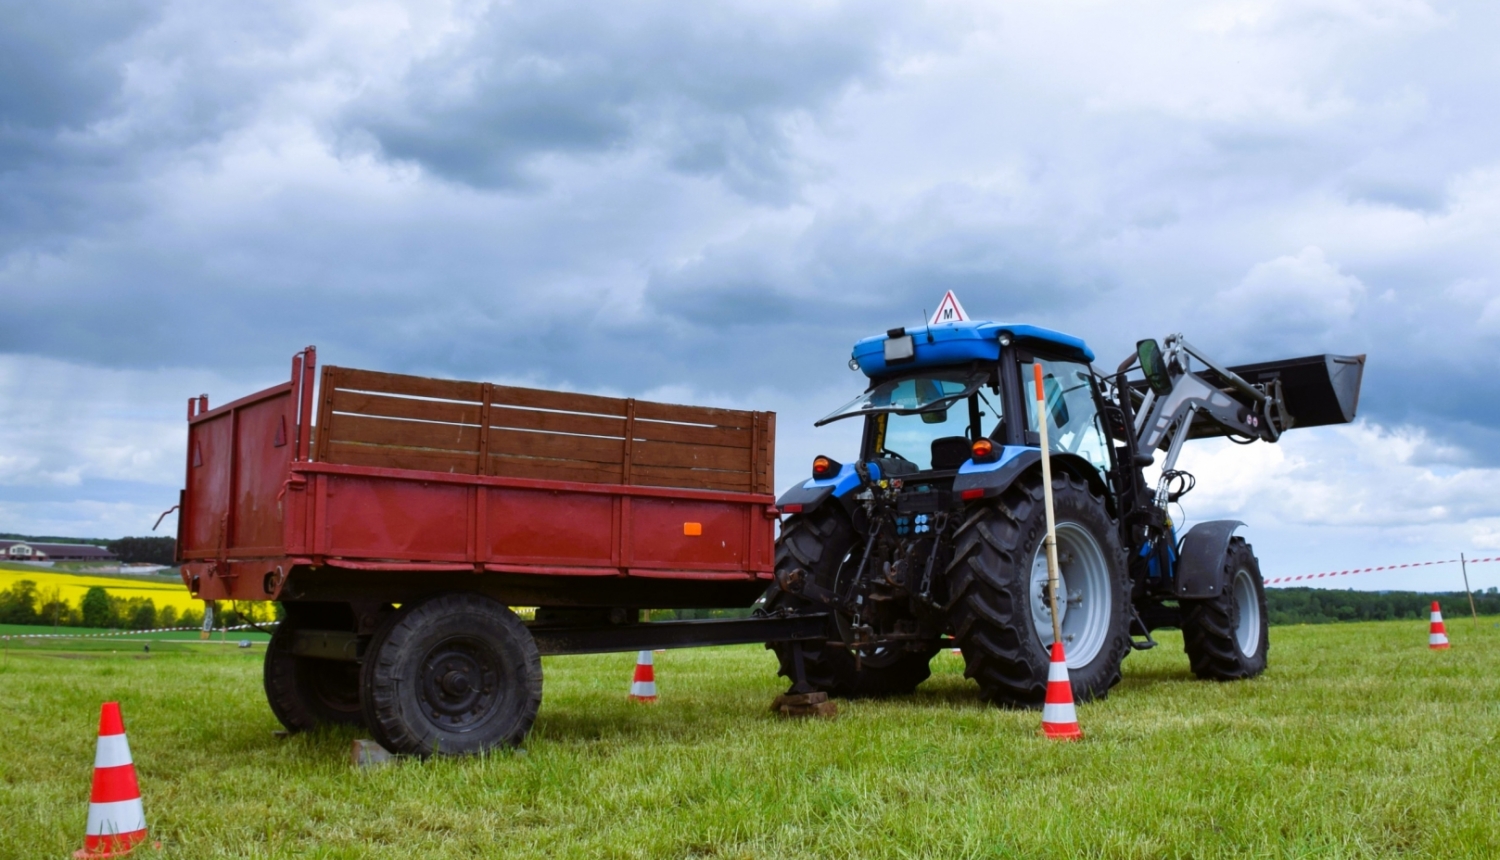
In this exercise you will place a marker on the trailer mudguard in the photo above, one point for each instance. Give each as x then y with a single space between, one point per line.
994 478
1200 559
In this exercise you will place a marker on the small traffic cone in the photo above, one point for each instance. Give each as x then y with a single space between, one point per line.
1059 719
643 687
117 823
1437 639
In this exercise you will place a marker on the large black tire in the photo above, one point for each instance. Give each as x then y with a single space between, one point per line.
812 547
454 674
990 588
305 693
1215 631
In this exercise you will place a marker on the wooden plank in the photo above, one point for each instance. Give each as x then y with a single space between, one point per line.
591 448
766 474
484 430
727 437
692 479
562 401
694 414
693 456
351 454
405 434
554 470
385 406
331 377
560 422
628 457
410 386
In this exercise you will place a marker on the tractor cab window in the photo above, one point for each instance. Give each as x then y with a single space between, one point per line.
928 394
1073 424
930 440
925 421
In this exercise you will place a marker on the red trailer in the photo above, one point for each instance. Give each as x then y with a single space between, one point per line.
455 501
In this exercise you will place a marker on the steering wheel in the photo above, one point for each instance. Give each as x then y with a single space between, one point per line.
896 455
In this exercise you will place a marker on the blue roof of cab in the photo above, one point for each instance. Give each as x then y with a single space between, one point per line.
960 343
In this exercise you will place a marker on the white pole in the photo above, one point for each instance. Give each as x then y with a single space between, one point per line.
1051 539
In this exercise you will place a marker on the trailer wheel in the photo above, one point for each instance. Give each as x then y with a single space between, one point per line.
305 692
998 608
812 547
454 674
1226 638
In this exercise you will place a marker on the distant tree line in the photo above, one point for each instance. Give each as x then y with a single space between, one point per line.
1321 605
25 603
131 550
145 550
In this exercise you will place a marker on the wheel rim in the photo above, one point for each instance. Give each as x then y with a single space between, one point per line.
1084 596
1247 629
460 684
335 684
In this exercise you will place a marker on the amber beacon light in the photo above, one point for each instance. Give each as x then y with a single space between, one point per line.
984 451
826 467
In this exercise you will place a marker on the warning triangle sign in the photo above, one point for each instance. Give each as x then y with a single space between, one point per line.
949 311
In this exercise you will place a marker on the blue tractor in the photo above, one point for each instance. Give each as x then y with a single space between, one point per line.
932 534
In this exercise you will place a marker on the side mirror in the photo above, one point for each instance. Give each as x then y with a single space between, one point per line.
1154 366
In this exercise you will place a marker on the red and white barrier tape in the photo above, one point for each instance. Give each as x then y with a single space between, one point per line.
131 632
1311 576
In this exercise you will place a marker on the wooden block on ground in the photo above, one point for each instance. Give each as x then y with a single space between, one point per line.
366 753
805 705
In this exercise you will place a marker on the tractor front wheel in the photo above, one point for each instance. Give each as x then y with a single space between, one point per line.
1225 637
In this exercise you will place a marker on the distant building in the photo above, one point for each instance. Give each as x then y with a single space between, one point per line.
16 550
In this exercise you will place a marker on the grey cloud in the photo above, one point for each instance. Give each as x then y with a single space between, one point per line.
710 88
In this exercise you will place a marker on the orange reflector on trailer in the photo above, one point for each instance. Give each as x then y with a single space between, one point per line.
692 529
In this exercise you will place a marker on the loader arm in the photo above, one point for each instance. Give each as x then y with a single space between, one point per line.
1258 401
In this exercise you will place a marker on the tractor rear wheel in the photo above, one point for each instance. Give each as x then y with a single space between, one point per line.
999 611
812 548
304 692
453 674
1225 637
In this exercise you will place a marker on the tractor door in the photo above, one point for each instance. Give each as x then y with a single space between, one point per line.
1074 425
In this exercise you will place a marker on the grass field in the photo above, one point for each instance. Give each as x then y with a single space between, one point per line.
1358 742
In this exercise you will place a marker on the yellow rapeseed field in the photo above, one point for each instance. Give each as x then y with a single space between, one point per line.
72 586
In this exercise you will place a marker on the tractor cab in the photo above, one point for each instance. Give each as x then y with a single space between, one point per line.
949 399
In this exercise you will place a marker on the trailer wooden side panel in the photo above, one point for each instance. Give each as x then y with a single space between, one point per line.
385 419
424 478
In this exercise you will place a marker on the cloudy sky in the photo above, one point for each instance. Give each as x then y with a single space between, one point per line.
708 202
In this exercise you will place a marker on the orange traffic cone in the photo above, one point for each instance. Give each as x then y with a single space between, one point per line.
643 686
1437 639
1059 719
117 823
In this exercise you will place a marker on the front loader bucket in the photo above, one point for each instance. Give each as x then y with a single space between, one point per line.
1318 389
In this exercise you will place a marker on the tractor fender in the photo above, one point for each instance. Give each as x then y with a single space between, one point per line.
1200 559
1015 461
814 492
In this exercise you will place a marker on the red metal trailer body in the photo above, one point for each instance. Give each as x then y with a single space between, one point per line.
399 528
422 485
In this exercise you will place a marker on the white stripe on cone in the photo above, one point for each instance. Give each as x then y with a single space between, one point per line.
118 818
1057 671
643 689
112 751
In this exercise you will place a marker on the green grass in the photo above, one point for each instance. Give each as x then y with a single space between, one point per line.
25 638
1358 742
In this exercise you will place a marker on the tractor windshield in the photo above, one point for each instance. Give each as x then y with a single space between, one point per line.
931 392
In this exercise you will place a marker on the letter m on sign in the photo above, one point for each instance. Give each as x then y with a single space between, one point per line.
949 311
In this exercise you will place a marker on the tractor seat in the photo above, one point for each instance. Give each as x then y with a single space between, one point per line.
949 452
